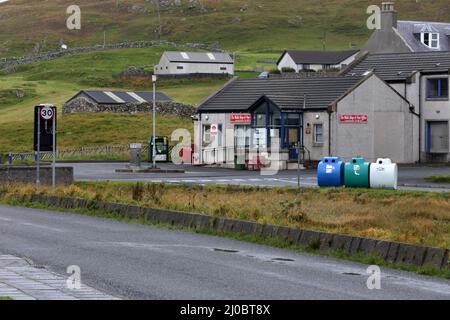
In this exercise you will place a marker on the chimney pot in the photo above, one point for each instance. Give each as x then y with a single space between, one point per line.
387 6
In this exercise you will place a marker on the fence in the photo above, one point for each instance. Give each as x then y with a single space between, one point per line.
82 152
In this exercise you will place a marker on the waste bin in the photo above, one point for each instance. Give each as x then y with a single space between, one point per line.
384 174
357 173
239 162
330 172
136 154
162 149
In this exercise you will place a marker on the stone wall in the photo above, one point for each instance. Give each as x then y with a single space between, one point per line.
27 175
83 105
11 63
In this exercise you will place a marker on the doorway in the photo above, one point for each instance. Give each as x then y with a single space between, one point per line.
437 137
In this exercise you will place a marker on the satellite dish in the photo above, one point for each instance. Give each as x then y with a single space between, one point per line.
64 47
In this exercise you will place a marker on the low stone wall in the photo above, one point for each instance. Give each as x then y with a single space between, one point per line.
27 175
82 105
389 251
12 62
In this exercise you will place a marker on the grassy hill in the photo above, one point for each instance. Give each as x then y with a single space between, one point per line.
236 25
256 30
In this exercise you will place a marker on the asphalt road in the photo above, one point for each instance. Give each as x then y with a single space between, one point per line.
142 262
410 177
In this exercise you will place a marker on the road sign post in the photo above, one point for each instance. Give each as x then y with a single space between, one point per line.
154 78
45 138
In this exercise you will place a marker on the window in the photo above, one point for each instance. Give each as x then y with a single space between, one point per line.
318 133
431 40
207 133
306 67
223 69
437 88
180 67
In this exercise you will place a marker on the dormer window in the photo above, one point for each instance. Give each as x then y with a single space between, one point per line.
430 39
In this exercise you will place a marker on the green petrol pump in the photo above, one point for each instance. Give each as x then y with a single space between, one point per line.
162 149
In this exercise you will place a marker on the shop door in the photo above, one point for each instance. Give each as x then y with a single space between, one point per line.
437 138
293 135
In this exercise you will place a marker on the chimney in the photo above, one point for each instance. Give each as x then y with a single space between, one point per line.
388 16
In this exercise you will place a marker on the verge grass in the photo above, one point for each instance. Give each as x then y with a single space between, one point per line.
439 179
414 217
369 259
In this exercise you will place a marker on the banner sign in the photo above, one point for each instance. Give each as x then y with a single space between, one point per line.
354 118
241 118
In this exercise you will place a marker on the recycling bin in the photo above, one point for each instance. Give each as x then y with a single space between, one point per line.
356 173
239 162
330 172
384 174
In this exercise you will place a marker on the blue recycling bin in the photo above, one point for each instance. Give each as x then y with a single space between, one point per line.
330 172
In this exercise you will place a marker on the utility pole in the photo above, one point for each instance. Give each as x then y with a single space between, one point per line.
154 78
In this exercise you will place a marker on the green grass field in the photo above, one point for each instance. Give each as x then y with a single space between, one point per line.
255 31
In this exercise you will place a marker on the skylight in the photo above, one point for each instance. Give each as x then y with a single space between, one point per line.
184 55
211 56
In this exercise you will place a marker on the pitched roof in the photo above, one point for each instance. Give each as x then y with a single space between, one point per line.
318 57
287 94
400 66
199 57
122 97
411 30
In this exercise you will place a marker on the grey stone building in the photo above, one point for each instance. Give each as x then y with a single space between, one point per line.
111 101
397 36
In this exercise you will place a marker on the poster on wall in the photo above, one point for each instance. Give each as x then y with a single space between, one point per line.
260 138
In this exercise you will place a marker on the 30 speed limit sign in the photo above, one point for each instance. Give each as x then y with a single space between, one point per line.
47 113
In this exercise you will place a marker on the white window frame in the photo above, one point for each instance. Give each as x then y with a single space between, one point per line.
206 133
316 142
432 37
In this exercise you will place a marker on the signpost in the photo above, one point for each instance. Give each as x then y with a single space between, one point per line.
45 137
154 79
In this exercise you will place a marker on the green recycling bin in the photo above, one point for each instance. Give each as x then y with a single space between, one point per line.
239 162
356 173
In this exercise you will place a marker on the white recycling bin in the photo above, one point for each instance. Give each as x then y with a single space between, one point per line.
384 174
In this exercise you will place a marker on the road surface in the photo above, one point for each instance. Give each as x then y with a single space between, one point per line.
410 177
143 262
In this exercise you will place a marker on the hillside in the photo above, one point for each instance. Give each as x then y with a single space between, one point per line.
236 25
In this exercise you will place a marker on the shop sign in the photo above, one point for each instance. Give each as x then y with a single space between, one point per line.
354 118
241 118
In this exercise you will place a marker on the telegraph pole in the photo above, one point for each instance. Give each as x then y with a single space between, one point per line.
154 78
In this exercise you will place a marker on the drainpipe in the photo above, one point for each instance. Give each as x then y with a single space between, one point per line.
420 116
329 133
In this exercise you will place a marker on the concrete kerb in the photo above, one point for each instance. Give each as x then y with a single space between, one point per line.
387 250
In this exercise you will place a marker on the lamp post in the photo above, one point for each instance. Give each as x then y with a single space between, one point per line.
154 78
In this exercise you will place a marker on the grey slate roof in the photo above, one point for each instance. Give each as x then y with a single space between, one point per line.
318 57
288 94
411 30
102 97
199 57
399 66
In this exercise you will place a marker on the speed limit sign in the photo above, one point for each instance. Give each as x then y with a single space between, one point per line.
47 113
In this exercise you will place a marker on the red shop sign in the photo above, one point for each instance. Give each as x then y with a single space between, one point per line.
241 118
354 118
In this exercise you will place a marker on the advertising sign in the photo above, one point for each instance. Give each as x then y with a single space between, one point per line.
354 118
244 118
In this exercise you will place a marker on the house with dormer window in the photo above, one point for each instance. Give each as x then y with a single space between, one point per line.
397 36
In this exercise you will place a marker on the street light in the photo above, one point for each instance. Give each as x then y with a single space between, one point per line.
154 79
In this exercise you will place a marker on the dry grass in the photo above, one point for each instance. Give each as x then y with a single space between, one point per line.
413 217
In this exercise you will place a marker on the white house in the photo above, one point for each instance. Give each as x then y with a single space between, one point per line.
315 60
186 63
398 36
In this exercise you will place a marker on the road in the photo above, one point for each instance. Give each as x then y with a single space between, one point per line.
410 177
143 262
